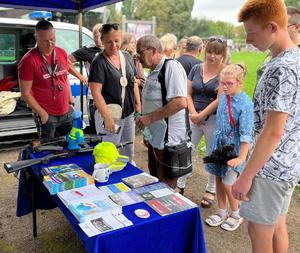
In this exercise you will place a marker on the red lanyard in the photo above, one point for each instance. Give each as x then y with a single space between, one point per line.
229 111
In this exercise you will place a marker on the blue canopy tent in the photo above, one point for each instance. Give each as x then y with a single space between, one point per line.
76 6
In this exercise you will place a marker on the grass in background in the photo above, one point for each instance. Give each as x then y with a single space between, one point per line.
252 60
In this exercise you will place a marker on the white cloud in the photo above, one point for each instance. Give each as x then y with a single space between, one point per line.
217 10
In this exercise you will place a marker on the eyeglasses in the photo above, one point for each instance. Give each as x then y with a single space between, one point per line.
292 25
108 27
220 40
140 52
227 84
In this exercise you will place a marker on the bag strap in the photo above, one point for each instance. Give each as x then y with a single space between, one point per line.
229 111
123 71
161 79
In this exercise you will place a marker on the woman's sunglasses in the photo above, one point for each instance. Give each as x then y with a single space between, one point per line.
108 27
220 40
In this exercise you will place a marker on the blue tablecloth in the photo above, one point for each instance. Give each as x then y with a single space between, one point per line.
176 233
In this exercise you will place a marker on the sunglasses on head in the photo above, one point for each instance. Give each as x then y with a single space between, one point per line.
108 27
241 66
220 40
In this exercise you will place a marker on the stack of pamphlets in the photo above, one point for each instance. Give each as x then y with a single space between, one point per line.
172 203
106 222
95 211
139 180
47 171
64 177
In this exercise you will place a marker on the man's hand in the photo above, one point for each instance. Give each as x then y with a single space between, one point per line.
241 188
144 120
44 117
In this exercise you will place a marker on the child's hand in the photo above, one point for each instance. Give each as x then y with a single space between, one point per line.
235 162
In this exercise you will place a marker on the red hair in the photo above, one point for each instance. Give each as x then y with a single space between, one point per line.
264 11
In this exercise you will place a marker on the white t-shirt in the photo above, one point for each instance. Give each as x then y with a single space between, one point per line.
278 90
176 85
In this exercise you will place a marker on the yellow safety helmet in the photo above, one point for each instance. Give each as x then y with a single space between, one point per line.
107 153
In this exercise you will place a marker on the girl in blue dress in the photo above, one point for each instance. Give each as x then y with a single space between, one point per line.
234 123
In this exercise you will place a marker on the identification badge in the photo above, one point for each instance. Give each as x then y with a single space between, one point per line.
123 81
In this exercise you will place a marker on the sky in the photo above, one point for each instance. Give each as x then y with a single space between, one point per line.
218 10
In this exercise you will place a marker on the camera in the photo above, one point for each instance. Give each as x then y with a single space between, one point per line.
222 155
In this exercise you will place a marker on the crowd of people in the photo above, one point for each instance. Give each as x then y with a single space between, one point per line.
252 152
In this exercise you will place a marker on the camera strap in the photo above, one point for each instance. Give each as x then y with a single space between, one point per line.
161 79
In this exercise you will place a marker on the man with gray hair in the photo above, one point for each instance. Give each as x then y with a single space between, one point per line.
163 117
192 51
293 23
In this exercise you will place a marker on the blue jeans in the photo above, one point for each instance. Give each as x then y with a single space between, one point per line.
55 126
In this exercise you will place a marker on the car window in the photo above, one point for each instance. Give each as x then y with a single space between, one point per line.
69 40
8 47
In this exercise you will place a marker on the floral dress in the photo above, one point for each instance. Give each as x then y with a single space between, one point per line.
225 134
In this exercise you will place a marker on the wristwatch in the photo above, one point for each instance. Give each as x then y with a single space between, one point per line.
72 103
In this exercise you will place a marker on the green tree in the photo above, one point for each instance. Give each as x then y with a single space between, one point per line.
294 3
129 8
114 16
171 15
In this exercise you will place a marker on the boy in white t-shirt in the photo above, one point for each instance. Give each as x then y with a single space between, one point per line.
267 182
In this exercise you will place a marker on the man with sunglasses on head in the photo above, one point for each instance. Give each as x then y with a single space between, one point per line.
44 84
154 112
87 54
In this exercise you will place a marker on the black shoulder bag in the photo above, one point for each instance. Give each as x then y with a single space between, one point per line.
177 159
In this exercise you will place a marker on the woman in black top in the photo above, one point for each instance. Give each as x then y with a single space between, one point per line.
105 81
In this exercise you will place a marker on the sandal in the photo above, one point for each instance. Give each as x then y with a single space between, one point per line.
180 190
208 199
215 220
232 223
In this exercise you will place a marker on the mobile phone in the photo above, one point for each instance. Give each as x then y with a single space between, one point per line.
117 128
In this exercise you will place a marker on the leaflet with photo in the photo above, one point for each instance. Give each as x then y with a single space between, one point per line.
80 194
106 222
172 203
154 190
139 180
93 208
126 198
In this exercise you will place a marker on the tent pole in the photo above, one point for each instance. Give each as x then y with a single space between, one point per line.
80 20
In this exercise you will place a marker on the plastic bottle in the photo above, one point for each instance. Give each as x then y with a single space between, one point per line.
147 134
